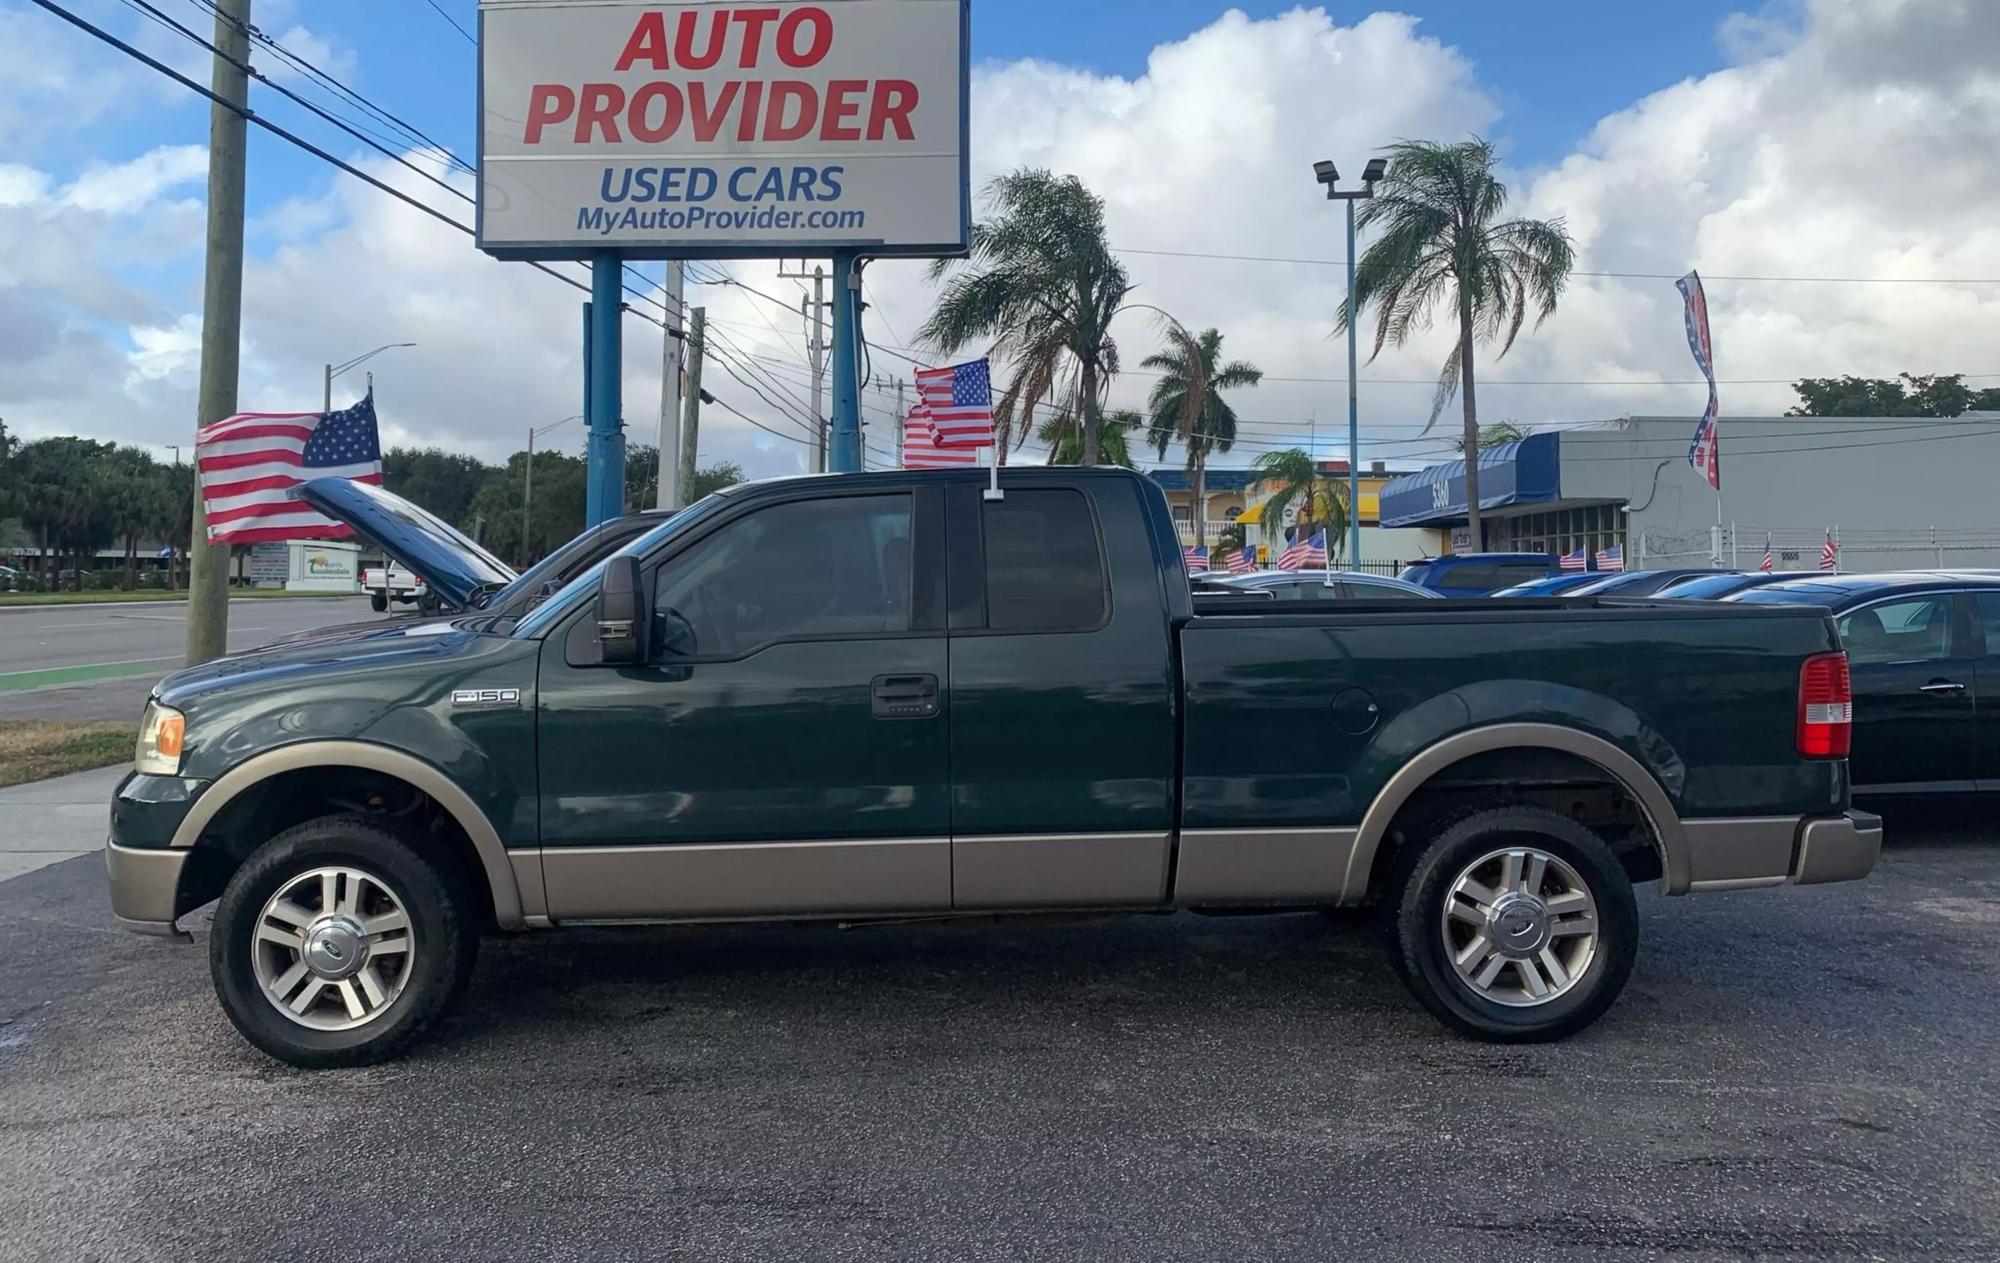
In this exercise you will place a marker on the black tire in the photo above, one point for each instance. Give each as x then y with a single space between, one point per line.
444 928
378 602
1417 898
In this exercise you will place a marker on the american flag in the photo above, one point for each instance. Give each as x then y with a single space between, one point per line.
960 400
1612 558
1195 558
1765 565
250 462
1829 556
920 445
1243 560
1705 450
1579 559
1301 554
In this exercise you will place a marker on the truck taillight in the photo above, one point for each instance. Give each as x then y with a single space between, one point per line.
1826 707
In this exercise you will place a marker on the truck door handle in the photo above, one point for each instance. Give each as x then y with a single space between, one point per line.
1952 687
903 696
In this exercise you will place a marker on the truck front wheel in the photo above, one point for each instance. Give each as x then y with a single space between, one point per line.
337 942
1513 924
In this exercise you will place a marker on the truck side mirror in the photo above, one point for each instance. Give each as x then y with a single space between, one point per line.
621 618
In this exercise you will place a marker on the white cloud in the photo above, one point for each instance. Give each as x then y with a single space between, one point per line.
1850 139
127 186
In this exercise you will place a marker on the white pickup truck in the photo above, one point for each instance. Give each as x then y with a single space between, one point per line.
391 583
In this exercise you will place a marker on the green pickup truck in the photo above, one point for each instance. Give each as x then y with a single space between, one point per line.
897 696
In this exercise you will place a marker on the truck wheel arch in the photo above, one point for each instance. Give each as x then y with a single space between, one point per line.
1419 771
499 868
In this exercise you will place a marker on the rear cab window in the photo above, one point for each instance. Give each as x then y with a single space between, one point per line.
1044 563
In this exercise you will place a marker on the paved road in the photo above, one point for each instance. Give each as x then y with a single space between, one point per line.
1792 1074
100 661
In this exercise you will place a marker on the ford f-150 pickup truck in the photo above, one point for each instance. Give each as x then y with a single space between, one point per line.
891 696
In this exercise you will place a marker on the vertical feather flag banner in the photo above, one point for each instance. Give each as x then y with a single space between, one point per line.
1705 452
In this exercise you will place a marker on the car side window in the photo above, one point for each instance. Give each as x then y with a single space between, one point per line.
1915 629
1379 592
1472 575
1306 590
803 570
1044 563
1987 608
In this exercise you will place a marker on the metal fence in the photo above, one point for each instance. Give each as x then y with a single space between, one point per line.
1738 547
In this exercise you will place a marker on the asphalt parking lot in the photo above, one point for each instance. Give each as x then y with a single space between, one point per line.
1803 1073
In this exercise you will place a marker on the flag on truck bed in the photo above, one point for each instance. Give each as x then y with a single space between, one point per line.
960 399
249 464
1302 553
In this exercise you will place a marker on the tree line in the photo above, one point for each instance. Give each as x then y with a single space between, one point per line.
64 500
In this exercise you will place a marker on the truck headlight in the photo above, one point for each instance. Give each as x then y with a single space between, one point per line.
162 731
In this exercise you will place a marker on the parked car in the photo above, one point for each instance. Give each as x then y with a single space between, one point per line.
1478 574
374 514
936 705
1318 585
392 583
1923 647
10 579
1553 585
1714 587
1638 583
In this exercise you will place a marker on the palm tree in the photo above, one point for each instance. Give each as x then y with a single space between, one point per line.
1293 479
1042 284
1436 208
1187 404
1493 435
1113 442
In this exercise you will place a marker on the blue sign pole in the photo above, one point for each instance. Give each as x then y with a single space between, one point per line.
844 453
605 472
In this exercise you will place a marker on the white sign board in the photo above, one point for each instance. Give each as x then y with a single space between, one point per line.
692 130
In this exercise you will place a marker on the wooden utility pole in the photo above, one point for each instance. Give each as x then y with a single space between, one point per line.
672 485
691 414
221 316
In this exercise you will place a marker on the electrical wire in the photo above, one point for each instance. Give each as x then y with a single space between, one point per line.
454 22
295 138
1633 276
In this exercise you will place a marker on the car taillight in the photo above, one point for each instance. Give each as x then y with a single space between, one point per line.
1826 707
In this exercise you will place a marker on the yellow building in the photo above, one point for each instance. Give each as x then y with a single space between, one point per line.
1232 497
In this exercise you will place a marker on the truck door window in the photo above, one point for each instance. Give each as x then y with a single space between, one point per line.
805 570
1044 563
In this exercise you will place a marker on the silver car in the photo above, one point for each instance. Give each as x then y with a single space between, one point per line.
1319 585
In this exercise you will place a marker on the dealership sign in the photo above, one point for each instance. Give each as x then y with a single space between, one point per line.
717 130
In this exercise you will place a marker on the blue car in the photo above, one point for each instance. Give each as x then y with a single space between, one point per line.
1554 585
1715 587
1479 574
1638 583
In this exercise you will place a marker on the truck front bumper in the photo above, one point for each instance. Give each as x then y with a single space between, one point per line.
144 865
145 884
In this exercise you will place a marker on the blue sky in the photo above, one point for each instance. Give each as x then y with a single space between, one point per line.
1554 67
1716 134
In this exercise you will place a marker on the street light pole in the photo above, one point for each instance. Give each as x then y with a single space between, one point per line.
335 370
1325 173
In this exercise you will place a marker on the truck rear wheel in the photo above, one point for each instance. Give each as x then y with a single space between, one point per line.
1513 924
337 942
378 601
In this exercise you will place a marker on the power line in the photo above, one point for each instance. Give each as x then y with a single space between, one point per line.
1632 276
454 22
251 116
